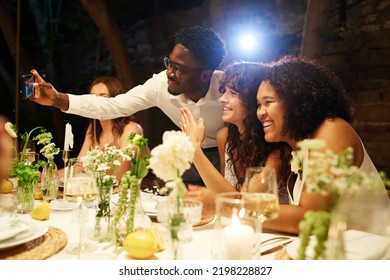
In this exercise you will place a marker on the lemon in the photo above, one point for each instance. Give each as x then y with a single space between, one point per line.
159 237
41 212
6 186
140 244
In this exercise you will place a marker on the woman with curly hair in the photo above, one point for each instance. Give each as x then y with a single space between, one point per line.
301 99
113 132
241 142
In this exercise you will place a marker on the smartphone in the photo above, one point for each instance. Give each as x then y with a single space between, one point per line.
27 86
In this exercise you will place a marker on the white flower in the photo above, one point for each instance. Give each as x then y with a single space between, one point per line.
328 172
50 150
9 127
104 160
296 164
174 156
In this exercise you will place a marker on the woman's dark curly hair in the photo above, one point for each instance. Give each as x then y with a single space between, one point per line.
114 87
311 94
206 45
251 149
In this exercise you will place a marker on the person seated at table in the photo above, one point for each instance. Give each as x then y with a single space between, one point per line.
301 99
108 132
241 142
6 150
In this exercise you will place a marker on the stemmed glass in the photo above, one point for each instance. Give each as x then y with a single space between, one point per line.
30 155
261 190
80 190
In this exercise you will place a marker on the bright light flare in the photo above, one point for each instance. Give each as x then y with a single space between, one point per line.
247 42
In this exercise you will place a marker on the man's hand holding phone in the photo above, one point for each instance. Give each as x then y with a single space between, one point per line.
45 94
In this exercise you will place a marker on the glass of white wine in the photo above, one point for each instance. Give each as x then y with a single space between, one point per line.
81 189
261 191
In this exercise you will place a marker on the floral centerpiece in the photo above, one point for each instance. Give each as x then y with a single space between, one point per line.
25 170
169 161
129 209
332 176
49 177
101 163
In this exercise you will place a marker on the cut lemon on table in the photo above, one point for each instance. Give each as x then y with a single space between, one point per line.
42 212
159 237
140 244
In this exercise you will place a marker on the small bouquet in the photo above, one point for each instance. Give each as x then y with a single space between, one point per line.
332 176
169 161
101 163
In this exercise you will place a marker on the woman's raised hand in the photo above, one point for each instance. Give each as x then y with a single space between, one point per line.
193 129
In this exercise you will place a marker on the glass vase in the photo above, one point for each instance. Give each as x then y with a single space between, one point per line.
104 185
175 241
25 198
130 215
50 181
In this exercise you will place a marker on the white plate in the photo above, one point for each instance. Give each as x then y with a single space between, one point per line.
62 205
359 245
35 230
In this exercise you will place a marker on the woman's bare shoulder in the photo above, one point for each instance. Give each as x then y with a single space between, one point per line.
338 134
132 127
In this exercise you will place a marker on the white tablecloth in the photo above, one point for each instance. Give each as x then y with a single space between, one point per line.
199 248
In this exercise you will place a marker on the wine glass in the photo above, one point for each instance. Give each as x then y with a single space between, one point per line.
81 189
261 191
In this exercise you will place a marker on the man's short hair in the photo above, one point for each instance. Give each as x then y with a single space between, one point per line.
205 44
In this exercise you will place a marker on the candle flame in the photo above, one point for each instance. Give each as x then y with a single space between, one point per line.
236 218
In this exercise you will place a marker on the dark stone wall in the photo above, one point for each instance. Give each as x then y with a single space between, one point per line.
362 59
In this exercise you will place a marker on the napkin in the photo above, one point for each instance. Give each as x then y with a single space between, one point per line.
7 230
361 245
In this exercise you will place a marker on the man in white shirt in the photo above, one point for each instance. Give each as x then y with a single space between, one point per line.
190 80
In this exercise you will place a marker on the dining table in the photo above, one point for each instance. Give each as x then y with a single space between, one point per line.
62 229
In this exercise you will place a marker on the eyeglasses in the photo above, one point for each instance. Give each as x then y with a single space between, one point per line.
177 69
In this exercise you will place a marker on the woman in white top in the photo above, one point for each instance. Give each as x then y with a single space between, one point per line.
113 132
301 99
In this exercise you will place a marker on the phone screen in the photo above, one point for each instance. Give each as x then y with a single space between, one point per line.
27 86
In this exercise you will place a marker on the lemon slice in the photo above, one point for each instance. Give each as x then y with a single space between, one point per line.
159 237
42 212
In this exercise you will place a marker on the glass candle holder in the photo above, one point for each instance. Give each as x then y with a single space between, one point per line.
235 232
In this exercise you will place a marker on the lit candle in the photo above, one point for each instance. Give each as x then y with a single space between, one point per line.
68 137
239 240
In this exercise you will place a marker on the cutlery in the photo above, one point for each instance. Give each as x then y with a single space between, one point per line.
276 248
275 239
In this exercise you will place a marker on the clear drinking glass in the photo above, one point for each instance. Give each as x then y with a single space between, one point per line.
192 214
30 146
81 190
